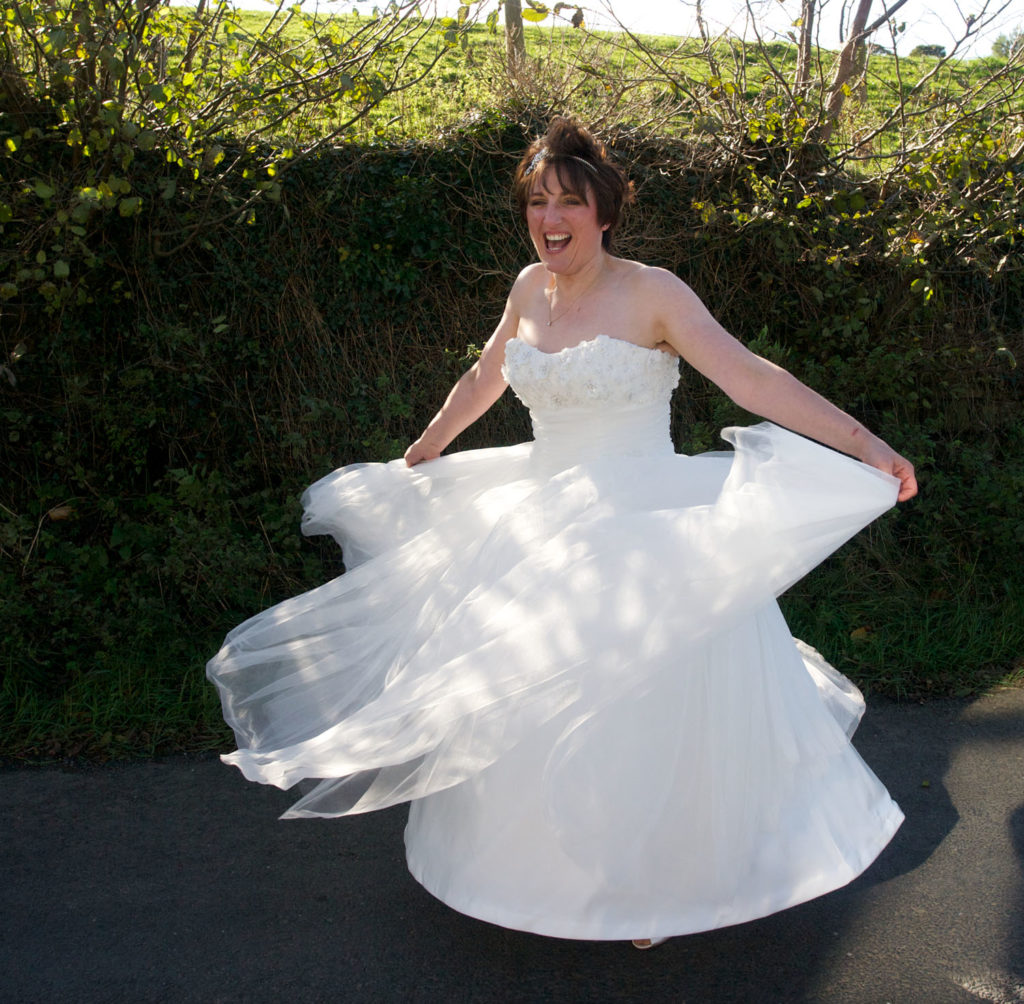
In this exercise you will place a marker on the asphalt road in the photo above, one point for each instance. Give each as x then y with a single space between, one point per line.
174 881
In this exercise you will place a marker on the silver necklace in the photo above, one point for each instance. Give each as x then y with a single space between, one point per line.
551 296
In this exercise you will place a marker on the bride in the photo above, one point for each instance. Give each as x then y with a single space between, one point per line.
567 655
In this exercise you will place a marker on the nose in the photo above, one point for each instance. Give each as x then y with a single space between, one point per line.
552 212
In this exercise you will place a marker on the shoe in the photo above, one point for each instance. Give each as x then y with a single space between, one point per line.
646 943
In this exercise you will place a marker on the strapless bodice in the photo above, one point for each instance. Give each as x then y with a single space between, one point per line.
605 396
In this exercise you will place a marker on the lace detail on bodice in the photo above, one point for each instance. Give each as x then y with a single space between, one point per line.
601 372
604 397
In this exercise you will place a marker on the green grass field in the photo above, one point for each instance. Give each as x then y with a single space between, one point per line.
603 76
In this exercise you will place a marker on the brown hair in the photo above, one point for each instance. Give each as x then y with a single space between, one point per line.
582 164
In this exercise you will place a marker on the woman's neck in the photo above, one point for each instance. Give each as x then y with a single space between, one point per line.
587 275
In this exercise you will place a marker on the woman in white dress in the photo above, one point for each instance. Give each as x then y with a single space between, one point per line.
567 654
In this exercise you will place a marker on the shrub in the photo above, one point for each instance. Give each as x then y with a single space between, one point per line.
163 410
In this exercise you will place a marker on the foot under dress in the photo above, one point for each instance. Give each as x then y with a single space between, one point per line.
567 656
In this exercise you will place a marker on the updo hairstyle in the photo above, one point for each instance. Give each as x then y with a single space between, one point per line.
583 167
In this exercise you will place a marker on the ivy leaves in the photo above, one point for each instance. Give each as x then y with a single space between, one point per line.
115 104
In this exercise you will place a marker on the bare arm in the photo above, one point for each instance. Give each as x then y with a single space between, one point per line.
762 387
476 390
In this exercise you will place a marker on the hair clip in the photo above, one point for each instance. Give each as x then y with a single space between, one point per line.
537 158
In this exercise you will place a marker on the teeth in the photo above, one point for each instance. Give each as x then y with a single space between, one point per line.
556 237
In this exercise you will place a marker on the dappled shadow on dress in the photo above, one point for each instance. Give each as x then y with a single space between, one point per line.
885 933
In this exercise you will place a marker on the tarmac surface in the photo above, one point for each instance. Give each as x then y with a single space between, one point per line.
173 880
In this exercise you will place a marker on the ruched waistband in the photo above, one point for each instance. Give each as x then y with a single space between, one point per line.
568 436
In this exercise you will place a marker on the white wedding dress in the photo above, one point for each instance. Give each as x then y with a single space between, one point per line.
568 657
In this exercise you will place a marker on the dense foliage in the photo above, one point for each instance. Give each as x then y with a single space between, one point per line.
162 411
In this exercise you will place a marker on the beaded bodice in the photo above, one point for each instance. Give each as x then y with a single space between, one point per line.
602 396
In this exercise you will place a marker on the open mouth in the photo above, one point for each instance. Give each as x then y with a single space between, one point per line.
556 242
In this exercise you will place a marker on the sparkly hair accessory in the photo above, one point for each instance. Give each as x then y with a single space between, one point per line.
542 153
537 158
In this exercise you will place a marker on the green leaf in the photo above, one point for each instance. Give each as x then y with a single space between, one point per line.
61 269
921 285
534 15
213 156
129 206
43 190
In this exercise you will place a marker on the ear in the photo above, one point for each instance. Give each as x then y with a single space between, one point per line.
605 226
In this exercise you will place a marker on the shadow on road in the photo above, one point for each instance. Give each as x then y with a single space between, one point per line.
175 881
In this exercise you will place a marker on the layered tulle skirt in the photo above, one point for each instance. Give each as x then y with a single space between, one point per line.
579 677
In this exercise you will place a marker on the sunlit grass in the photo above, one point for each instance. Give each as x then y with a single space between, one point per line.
586 67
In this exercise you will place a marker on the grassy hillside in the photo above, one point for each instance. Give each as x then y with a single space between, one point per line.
602 75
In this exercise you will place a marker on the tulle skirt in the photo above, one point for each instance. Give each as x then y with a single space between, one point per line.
579 677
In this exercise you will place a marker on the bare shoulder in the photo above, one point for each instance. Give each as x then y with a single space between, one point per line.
526 289
528 282
519 296
532 274
659 283
662 303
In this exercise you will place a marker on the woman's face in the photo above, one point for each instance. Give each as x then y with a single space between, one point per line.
563 225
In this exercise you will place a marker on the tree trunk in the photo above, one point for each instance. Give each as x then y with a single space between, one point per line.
851 61
845 69
193 37
515 41
808 8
